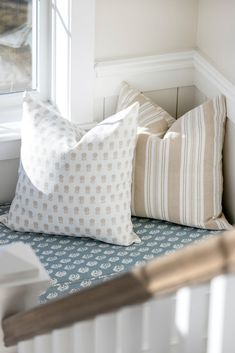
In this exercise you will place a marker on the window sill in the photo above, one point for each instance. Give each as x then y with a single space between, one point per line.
9 140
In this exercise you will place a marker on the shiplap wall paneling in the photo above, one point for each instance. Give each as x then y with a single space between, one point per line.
166 98
176 101
199 97
110 105
99 105
188 98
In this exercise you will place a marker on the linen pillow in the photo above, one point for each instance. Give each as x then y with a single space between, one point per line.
72 182
152 118
178 176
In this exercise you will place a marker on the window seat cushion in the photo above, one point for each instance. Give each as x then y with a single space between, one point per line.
76 263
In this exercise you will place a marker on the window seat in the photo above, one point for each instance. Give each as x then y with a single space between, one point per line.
77 263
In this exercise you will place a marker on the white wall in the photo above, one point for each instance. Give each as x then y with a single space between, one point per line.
216 34
128 28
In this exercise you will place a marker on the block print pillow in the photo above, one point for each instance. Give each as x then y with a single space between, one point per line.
178 171
72 182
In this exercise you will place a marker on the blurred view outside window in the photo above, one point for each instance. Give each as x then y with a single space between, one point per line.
15 45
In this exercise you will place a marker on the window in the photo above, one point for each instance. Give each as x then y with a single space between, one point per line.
47 45
15 46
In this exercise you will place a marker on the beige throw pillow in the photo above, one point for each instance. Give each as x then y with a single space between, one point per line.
178 170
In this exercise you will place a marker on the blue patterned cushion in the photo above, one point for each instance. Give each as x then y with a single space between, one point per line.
77 263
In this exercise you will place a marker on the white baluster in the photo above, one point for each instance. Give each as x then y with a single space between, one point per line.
42 344
106 333
83 337
222 315
146 327
25 347
161 322
62 341
129 335
192 319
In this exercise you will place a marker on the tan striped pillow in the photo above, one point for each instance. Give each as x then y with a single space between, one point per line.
178 170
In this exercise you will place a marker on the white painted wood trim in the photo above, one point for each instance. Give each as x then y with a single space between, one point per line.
211 82
82 56
43 49
161 62
73 55
147 73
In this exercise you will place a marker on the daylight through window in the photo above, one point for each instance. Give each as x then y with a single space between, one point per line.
15 45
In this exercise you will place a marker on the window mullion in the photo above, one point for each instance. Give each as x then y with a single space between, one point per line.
43 47
73 34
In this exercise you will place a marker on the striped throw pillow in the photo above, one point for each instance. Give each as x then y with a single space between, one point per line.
178 163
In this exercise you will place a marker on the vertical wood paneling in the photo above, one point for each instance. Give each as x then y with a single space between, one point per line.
99 109
110 106
166 98
176 101
199 97
188 98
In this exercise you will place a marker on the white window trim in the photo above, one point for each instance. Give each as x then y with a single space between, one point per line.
73 69
78 93
11 103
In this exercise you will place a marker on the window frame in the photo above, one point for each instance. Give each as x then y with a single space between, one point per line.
80 51
10 103
74 99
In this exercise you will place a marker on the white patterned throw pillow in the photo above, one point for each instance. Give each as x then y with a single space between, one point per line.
72 182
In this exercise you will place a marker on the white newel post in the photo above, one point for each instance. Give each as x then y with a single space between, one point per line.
22 279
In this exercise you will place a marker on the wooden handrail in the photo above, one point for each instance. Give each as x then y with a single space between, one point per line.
192 265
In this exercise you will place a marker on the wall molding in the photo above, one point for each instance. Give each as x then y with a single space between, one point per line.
162 62
151 73
211 82
164 71
148 73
